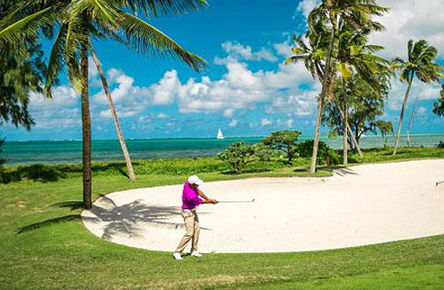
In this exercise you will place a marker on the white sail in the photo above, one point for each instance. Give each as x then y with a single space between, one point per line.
220 135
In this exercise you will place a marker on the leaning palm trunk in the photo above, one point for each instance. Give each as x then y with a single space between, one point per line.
86 129
113 112
326 80
404 104
345 121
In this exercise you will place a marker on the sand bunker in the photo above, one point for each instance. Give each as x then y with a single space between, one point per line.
361 205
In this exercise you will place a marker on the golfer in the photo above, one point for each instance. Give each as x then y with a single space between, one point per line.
190 201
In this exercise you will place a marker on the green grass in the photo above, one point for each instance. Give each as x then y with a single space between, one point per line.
64 255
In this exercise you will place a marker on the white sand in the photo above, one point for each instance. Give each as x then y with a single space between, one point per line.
361 205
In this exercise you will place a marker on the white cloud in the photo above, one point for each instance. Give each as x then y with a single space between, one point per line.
129 100
283 48
233 123
420 91
164 90
62 111
289 123
237 52
410 19
266 122
229 113
162 116
306 6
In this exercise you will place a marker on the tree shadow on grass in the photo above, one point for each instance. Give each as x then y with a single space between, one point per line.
49 222
51 173
73 204
132 218
129 219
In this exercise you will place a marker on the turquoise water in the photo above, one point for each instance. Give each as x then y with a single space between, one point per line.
50 152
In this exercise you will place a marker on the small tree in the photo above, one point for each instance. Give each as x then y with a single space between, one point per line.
365 106
438 106
284 141
238 155
385 127
324 153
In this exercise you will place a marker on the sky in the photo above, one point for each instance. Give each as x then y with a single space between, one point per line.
246 89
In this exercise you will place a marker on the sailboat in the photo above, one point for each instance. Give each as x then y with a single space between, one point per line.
220 135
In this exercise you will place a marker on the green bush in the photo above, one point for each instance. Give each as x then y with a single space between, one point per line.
238 155
283 141
305 149
440 145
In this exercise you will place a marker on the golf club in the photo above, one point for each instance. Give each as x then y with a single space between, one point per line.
237 201
439 182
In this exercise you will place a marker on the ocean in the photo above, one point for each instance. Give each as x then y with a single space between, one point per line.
70 151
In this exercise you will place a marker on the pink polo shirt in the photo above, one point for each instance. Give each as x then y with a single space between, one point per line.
190 198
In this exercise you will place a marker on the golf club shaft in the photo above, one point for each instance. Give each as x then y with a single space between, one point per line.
235 201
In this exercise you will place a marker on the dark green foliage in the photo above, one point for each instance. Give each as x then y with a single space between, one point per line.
438 106
325 153
58 252
440 145
21 72
238 155
364 104
284 141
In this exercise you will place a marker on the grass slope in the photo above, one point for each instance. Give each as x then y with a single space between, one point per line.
58 252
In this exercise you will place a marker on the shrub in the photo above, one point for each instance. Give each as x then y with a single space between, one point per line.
284 141
305 149
2 170
238 155
440 145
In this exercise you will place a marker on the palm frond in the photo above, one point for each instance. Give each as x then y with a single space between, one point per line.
146 39
163 7
56 60
28 26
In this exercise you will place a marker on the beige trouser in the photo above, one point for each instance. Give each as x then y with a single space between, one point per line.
192 230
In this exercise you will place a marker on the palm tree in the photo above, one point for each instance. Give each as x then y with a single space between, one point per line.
126 155
356 13
79 21
355 57
314 55
420 63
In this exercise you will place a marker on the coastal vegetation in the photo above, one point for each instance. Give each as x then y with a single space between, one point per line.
274 165
43 243
73 25
283 141
337 53
365 110
420 63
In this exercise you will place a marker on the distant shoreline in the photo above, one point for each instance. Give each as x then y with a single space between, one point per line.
207 138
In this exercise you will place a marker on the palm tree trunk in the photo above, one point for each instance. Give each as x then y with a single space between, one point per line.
129 165
404 104
326 79
86 129
345 121
350 131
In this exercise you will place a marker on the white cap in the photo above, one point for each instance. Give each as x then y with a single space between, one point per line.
195 180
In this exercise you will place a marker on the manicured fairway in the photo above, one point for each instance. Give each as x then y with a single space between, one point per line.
65 255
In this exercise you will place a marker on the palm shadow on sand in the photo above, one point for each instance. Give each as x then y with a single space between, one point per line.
132 218
129 219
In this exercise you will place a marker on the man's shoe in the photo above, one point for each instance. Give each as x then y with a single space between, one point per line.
177 256
196 254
